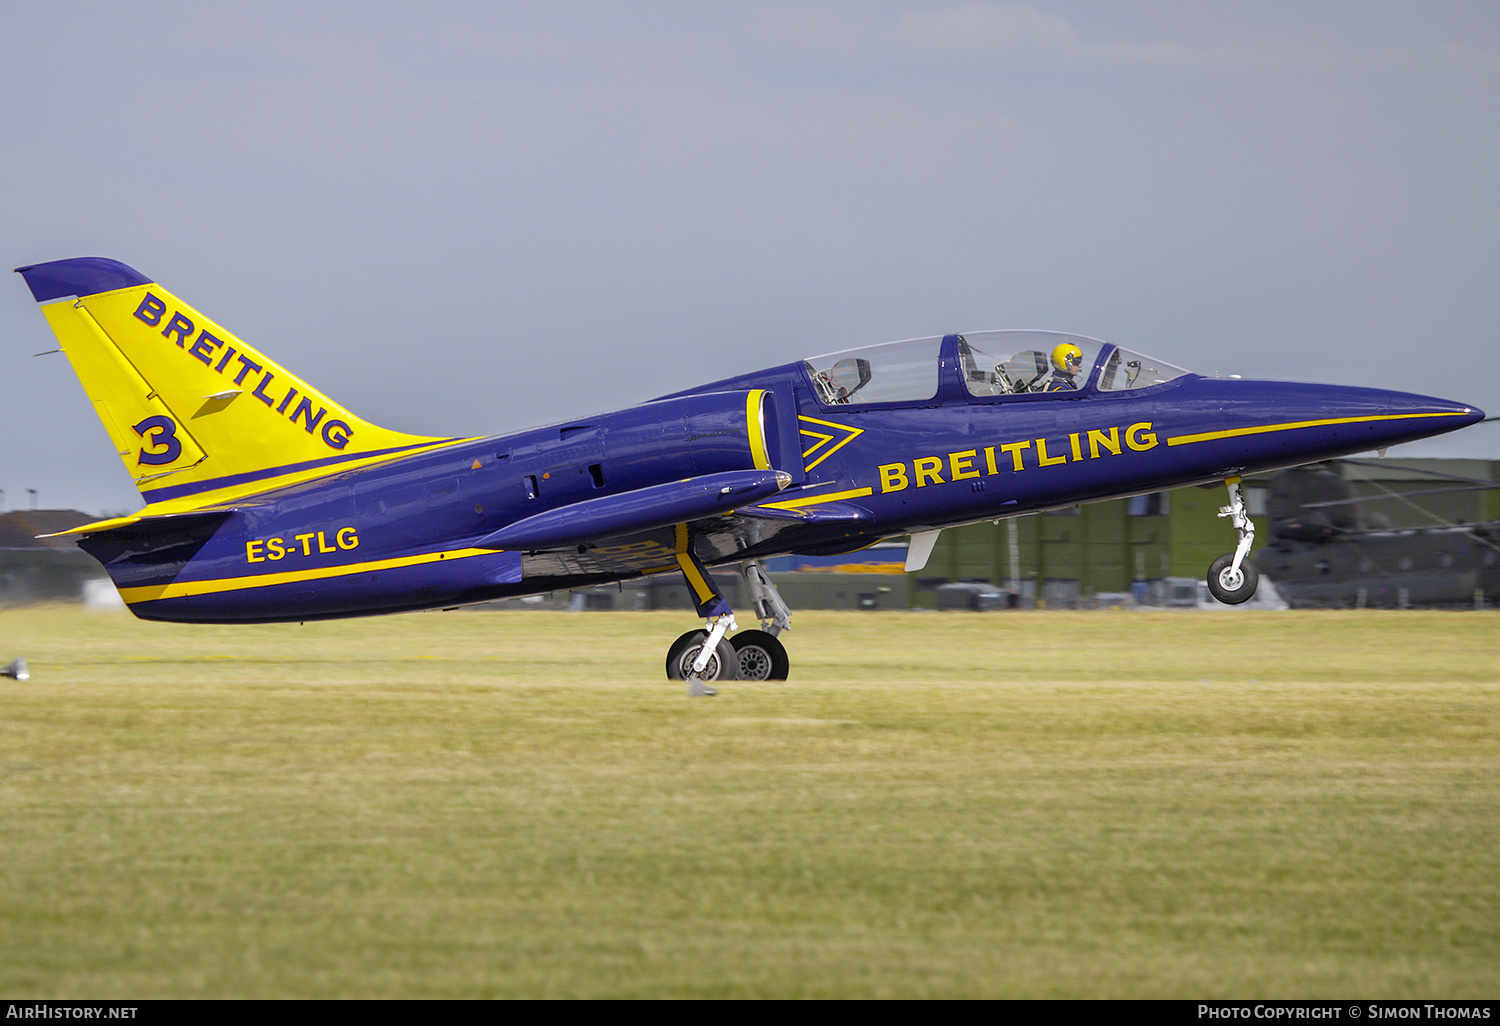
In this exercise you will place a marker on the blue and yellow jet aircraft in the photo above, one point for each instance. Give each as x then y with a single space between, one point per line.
268 501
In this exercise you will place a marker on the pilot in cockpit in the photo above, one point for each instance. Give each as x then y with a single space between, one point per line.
1067 365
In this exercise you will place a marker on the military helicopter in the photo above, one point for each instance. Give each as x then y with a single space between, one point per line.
1328 551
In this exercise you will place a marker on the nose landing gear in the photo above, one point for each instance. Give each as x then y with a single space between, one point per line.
1233 578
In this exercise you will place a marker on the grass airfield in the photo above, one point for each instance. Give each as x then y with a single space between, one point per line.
517 804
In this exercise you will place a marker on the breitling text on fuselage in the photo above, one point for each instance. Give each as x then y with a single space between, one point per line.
1016 456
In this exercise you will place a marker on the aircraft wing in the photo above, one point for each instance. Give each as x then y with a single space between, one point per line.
744 532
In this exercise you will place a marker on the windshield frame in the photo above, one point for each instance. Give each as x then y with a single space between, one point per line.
955 381
827 367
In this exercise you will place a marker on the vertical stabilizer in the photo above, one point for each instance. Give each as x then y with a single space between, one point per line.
190 408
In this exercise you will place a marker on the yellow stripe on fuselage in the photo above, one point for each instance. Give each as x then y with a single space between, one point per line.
231 493
1261 429
183 589
815 500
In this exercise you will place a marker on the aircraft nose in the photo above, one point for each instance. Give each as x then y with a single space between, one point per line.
1283 423
1443 414
1469 414
1395 417
1398 416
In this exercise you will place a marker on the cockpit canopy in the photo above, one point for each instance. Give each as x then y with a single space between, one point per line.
991 363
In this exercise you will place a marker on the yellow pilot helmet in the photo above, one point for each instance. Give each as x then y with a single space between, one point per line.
1067 358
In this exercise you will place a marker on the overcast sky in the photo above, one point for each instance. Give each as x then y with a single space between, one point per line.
469 218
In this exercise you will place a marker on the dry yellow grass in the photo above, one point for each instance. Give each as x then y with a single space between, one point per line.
517 804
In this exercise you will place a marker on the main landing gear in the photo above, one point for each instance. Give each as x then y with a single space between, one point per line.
710 655
1232 578
759 655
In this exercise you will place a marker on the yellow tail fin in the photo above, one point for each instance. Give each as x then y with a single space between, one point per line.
195 413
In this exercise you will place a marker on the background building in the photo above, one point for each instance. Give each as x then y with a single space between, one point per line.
36 569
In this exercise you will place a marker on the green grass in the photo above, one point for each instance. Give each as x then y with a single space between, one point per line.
518 804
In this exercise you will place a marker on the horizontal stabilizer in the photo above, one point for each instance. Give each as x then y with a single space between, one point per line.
146 522
643 509
150 550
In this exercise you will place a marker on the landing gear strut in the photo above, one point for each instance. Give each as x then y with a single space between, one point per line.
1232 578
760 655
700 656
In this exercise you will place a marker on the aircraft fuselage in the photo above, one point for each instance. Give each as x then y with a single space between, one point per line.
417 531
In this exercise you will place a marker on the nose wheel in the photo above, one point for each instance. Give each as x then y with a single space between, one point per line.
1230 584
1233 578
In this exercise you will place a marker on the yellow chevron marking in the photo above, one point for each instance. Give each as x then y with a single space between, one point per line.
814 447
849 433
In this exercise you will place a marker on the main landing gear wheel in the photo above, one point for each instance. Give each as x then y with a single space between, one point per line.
680 657
759 656
1230 586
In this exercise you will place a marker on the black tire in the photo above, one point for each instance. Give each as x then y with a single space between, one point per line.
1232 589
685 650
759 656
